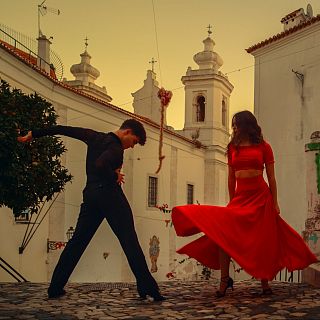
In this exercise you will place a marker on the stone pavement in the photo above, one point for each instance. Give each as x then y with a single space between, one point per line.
186 300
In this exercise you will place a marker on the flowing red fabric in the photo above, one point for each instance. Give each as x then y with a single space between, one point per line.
248 229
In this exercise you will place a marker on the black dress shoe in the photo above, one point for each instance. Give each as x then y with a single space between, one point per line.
52 294
155 294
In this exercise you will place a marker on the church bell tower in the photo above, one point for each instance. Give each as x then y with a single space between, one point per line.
207 96
207 99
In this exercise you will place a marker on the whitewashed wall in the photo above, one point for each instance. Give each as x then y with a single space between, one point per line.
289 112
183 164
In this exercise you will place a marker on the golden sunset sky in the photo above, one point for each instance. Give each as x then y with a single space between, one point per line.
125 35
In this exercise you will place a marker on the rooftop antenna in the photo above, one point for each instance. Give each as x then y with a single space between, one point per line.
43 10
309 11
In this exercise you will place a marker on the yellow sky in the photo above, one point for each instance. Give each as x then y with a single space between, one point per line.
122 39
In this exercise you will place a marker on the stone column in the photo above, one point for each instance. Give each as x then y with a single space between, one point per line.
312 224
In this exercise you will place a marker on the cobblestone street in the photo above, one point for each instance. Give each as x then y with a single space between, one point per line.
185 300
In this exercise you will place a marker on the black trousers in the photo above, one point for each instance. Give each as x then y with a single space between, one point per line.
99 202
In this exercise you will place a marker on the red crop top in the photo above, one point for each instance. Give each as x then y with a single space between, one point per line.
250 157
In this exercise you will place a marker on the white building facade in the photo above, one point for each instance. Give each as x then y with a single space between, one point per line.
194 169
286 103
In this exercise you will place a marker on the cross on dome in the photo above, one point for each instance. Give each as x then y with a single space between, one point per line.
152 63
86 42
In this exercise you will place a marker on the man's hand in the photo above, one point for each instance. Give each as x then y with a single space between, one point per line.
120 179
26 138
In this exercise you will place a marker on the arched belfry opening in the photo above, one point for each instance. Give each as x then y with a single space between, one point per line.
224 112
200 108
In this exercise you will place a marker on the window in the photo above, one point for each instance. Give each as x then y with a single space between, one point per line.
152 191
190 188
200 108
224 112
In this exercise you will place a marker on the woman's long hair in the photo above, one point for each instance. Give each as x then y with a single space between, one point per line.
247 129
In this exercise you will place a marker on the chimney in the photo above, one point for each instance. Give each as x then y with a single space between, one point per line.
43 60
296 17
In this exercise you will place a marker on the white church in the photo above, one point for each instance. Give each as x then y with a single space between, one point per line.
194 169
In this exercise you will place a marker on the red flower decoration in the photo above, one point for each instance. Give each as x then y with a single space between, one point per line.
170 275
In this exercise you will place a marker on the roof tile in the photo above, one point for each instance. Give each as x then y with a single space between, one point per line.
283 34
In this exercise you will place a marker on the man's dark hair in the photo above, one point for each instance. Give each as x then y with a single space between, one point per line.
137 129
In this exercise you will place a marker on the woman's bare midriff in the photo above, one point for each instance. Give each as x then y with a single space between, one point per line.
248 173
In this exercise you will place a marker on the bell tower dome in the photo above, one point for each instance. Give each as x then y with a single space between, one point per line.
85 75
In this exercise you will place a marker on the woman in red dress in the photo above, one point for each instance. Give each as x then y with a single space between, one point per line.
249 229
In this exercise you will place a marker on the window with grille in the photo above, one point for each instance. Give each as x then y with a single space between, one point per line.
152 191
190 191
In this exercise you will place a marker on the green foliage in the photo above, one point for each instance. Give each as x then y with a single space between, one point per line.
29 172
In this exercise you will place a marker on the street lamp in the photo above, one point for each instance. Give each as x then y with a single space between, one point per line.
54 245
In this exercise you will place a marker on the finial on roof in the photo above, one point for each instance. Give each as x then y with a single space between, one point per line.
86 43
209 30
208 59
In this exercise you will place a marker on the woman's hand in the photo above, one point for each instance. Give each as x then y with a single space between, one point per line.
120 179
26 138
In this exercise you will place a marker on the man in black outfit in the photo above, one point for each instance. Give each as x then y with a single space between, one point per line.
103 198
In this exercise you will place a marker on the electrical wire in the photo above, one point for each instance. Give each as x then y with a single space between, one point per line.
271 60
227 73
157 42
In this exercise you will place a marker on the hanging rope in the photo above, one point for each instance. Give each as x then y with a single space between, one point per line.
165 97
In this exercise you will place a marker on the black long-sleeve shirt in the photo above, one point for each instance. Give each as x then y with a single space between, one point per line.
104 153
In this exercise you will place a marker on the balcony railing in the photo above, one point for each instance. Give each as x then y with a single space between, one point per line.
27 47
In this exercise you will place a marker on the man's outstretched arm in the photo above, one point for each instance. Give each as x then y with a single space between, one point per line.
85 135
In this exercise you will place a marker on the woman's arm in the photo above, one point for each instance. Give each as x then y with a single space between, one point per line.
231 182
272 185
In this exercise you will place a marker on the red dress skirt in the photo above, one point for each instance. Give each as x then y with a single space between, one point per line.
248 229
